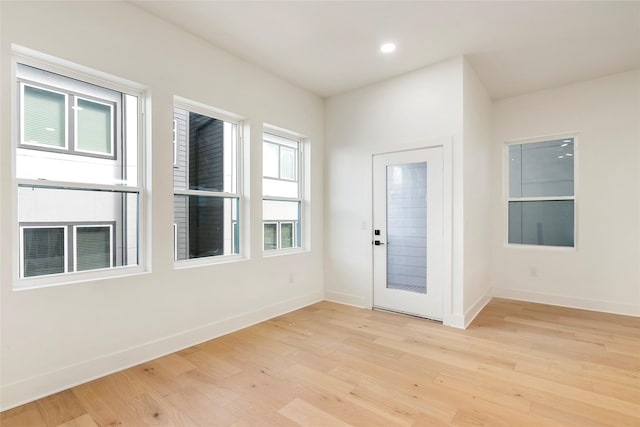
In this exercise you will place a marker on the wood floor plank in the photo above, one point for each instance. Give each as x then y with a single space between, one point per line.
330 365
305 414
81 421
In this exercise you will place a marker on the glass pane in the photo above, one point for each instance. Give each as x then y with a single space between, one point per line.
548 222
287 163
541 169
270 160
206 153
43 251
68 167
286 235
44 117
283 212
93 247
69 207
204 226
407 227
270 236
94 126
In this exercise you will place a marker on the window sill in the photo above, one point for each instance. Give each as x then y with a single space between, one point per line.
30 283
281 252
207 261
540 247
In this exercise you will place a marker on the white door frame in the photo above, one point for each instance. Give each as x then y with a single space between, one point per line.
449 318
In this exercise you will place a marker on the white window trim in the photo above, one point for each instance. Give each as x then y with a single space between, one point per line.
75 131
507 198
21 255
75 243
238 121
55 65
66 118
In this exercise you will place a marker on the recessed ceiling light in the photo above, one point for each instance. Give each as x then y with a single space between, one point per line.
387 48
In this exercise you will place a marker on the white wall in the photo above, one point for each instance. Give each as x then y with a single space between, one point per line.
55 337
602 273
409 111
478 170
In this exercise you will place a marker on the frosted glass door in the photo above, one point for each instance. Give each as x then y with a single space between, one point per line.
407 227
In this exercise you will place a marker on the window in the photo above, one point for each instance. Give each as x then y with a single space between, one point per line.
43 250
279 235
47 249
541 194
206 186
66 120
282 191
78 174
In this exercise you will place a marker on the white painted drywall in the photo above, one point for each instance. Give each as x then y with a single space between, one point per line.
478 170
59 336
409 111
602 272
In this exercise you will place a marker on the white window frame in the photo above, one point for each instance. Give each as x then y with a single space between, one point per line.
29 57
175 241
76 121
66 249
175 143
75 243
300 171
238 121
507 198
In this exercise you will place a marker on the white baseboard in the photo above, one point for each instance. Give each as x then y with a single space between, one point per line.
346 299
462 321
564 301
27 390
475 309
453 321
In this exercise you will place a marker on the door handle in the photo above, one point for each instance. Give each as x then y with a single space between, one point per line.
378 243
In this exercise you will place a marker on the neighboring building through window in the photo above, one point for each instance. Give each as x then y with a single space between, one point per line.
206 187
541 198
77 171
282 187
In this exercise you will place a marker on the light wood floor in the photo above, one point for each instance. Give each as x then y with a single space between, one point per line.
519 364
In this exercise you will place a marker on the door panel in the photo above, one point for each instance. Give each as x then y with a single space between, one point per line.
407 220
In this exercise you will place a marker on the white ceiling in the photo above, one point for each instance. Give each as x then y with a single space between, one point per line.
329 47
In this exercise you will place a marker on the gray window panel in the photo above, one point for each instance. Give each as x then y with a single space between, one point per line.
95 127
44 117
206 153
286 235
208 229
542 169
93 248
270 236
43 251
548 222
